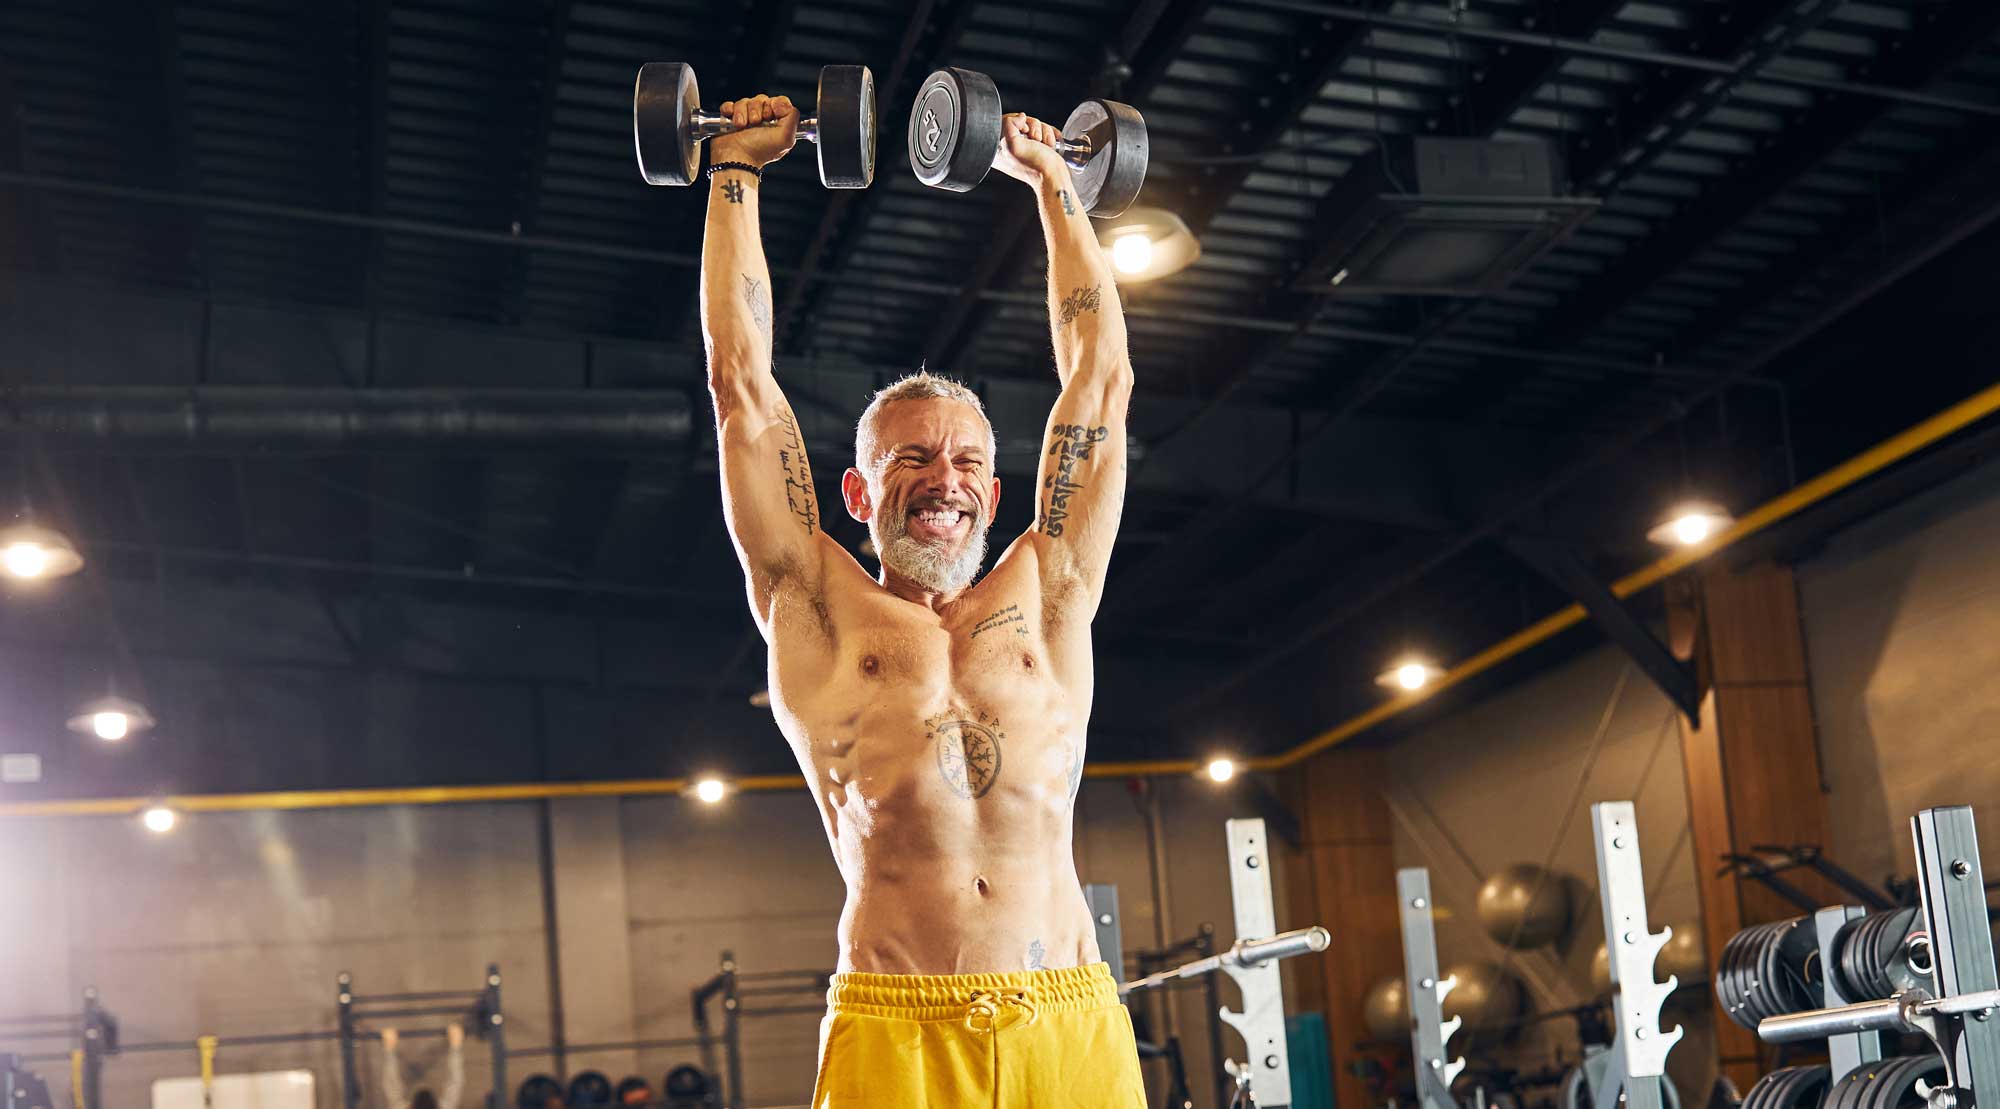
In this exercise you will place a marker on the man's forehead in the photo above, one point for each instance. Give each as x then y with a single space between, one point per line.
930 421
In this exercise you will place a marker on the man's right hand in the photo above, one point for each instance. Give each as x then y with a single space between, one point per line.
755 144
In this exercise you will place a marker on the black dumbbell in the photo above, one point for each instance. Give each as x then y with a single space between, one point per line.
955 133
668 124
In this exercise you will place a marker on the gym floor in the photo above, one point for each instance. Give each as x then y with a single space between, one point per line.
347 348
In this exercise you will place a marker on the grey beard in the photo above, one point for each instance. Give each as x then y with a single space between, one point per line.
926 565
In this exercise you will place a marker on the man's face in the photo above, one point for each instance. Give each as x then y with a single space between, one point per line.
929 494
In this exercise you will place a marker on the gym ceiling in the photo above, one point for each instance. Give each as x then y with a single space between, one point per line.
1791 262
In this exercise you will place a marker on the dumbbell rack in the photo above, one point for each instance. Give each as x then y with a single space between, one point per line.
1636 1063
1429 1031
1958 1015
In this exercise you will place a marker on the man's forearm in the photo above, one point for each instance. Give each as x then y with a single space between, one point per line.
1085 317
735 280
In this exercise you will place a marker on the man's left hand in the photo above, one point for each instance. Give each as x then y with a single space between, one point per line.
1027 150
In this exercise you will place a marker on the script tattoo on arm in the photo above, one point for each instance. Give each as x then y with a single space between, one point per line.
1009 615
799 494
968 753
1068 208
759 299
1079 301
1069 444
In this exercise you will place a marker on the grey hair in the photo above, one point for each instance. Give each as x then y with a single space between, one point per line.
922 385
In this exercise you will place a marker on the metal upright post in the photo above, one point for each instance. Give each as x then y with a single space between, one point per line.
1954 893
1102 897
1429 1031
1854 1049
1262 1021
1621 885
732 1043
496 1036
350 1081
97 1040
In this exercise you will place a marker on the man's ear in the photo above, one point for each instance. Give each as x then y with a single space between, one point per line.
854 492
994 513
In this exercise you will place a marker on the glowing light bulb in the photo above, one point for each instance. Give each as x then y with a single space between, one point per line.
710 790
1412 675
1221 770
1132 253
25 560
160 820
1692 528
111 726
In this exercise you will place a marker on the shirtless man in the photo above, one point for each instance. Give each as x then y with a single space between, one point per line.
940 723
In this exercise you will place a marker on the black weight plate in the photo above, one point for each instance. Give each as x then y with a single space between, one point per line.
1926 1068
1845 966
1893 965
1806 1087
954 129
1883 1084
1867 985
1109 180
1760 1092
663 102
1844 1088
846 114
1753 975
1771 975
1798 966
1730 978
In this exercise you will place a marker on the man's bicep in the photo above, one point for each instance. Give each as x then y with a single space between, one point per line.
768 498
1082 480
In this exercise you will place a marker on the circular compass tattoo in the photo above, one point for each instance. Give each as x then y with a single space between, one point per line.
968 754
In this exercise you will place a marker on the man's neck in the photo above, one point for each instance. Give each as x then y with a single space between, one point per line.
910 591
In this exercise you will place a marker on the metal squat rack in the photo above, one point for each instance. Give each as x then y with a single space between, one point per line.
1946 990
93 1034
479 1008
1633 1068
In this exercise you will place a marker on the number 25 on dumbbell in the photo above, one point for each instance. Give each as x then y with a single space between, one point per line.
955 133
668 124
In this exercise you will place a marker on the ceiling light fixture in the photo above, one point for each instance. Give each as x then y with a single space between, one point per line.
159 819
710 790
1691 524
1146 244
111 719
29 552
1220 769
1409 676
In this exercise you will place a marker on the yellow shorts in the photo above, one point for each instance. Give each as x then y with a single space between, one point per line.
1052 1039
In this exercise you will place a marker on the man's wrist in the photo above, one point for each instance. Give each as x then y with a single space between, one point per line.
734 183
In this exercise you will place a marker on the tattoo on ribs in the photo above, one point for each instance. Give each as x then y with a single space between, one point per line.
1069 444
1037 956
1009 615
968 753
799 494
759 299
1068 208
732 191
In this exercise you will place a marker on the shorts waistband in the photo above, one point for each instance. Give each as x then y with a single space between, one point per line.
948 996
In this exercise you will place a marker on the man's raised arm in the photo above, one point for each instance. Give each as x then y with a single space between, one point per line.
1082 486
768 499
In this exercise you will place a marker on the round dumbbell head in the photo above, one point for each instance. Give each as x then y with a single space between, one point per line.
663 105
954 129
846 115
1110 178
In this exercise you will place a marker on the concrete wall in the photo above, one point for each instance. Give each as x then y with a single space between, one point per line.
237 923
1511 780
1902 617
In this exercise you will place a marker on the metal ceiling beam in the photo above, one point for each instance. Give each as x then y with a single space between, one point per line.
529 205
1878 90
848 212
1561 566
1979 210
374 153
1153 35
25 229
1803 144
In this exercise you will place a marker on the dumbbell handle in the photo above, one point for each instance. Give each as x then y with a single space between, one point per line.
708 126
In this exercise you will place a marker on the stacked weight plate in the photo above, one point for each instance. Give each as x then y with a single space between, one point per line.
1888 1084
1789 1088
1880 954
1769 970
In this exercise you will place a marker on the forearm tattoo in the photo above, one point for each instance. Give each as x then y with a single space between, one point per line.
732 191
799 494
1069 444
968 753
1068 208
1075 304
1009 615
759 299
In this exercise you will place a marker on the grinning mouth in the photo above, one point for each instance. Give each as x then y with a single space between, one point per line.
939 518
